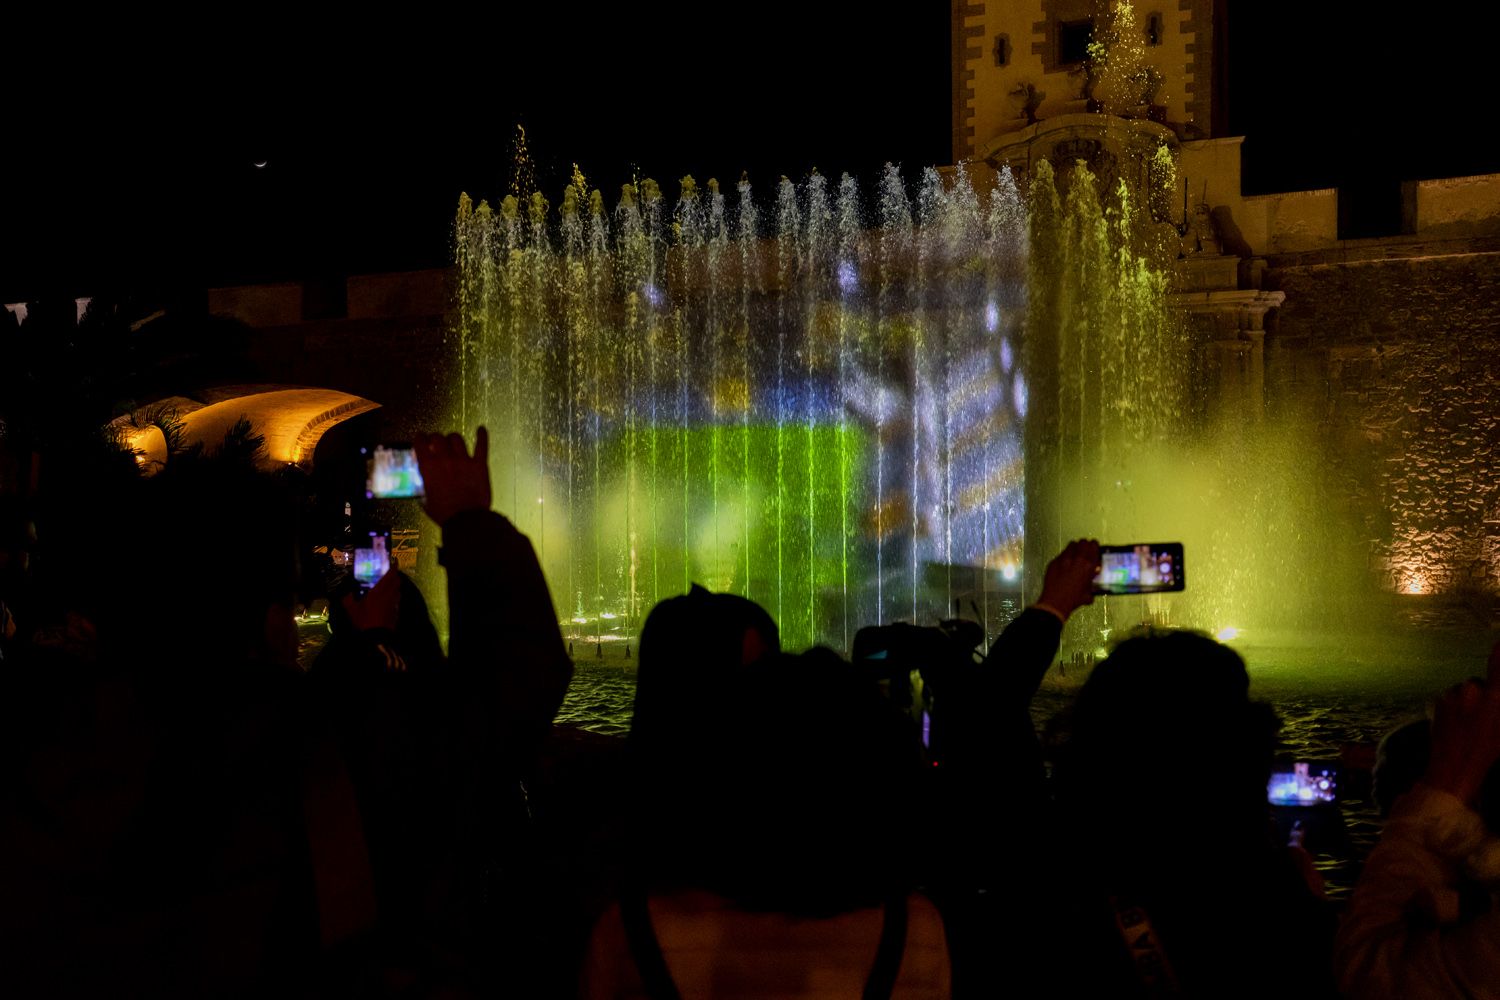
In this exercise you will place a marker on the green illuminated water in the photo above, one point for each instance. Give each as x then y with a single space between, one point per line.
808 405
854 411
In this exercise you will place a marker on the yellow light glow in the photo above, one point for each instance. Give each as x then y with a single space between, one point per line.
1009 571
149 445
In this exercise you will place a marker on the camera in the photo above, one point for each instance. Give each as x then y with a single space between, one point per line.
374 561
921 668
393 473
1304 800
1141 568
1306 784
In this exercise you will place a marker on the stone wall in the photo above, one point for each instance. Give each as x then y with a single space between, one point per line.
390 346
1292 220
1459 206
999 45
1399 360
258 305
965 35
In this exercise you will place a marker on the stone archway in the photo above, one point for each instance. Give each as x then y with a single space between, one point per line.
1110 146
291 419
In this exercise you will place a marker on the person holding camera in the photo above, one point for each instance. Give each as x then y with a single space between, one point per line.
1174 884
991 847
505 677
992 768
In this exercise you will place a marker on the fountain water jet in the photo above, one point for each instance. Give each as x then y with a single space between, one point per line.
829 415
815 416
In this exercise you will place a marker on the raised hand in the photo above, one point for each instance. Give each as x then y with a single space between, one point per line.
454 480
380 608
1466 734
1069 581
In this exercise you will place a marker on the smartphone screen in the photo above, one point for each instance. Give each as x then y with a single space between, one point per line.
370 564
1306 784
1143 568
393 473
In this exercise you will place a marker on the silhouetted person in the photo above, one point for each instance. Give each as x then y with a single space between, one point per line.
773 831
1400 761
995 756
691 647
1162 803
506 674
1423 920
178 800
182 820
990 845
379 684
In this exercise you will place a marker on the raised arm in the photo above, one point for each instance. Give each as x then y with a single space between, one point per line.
1018 659
504 643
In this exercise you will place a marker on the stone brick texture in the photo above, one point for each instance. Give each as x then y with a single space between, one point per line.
1199 70
962 62
1398 361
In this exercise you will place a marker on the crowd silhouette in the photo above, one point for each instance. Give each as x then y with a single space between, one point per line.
189 812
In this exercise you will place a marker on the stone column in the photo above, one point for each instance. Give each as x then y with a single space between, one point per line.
1255 375
1237 319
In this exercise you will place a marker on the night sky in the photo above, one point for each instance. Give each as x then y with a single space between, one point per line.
129 165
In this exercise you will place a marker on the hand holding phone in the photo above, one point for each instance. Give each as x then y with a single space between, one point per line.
1466 735
1067 584
380 608
373 562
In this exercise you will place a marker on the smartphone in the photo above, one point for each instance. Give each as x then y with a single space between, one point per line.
1306 784
1142 568
372 563
393 472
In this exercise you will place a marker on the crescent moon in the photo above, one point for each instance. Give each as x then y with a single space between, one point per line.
261 165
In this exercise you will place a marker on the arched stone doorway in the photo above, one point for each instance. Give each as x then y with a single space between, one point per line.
291 419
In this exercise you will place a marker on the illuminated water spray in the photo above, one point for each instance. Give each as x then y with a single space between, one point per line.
1135 429
815 405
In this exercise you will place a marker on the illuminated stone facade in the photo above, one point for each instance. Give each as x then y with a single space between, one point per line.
1017 60
1399 358
1389 345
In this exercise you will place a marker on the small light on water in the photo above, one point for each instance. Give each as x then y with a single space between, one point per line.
992 317
1009 572
1018 395
1227 633
1007 355
609 614
1416 584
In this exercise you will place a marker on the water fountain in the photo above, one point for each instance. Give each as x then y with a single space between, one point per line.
813 402
1136 433
822 401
